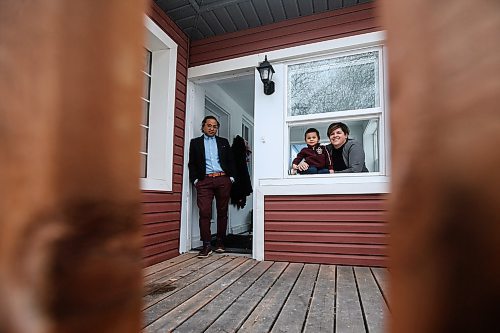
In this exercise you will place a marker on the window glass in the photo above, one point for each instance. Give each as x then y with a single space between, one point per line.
147 61
145 113
144 140
143 161
337 84
364 131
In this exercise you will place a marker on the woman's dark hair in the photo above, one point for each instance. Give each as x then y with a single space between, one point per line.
311 130
334 126
205 120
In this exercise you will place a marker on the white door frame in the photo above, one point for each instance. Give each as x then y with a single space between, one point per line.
195 111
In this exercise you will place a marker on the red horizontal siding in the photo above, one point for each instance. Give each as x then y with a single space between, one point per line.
161 210
158 207
159 248
151 229
330 248
340 205
160 217
304 30
154 259
374 227
330 229
332 259
333 215
327 237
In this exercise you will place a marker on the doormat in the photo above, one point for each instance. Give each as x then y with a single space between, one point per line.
234 244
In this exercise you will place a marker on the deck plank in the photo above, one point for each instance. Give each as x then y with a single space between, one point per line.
182 312
162 307
202 319
372 301
349 315
293 314
382 278
165 264
160 275
320 318
263 316
232 319
186 277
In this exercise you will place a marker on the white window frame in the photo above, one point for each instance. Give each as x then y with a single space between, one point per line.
377 112
162 107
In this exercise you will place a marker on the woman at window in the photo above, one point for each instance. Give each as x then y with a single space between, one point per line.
347 154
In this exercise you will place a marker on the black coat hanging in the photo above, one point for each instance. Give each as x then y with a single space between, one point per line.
242 186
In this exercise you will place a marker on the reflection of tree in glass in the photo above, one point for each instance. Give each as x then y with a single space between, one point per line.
343 83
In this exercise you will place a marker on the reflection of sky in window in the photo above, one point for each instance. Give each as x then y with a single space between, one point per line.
295 149
338 84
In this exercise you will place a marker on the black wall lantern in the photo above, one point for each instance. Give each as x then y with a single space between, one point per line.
266 74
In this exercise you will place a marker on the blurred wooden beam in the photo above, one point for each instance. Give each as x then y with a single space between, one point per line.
69 198
444 68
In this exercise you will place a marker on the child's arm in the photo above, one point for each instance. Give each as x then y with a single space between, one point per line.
298 159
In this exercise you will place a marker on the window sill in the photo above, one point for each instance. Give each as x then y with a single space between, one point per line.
148 184
352 183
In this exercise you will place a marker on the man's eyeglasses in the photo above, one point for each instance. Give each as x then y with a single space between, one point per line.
212 126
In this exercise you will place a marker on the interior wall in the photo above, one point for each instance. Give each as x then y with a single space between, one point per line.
239 218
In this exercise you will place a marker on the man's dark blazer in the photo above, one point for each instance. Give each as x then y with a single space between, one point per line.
196 164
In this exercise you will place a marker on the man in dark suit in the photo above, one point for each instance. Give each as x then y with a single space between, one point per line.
211 170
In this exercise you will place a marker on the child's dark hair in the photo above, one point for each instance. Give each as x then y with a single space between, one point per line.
311 130
205 120
334 126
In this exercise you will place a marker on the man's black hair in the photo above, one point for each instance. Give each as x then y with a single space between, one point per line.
205 120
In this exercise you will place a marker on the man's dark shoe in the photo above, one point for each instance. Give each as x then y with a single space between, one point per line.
205 252
219 247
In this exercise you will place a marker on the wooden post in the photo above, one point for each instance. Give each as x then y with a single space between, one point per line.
69 137
444 67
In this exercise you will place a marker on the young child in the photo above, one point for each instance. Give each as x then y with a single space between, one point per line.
314 154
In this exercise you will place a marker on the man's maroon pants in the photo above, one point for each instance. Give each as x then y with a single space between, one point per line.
207 188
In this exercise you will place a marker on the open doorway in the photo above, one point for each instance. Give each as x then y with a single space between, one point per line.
231 101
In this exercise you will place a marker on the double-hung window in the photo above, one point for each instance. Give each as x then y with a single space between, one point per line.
158 100
344 87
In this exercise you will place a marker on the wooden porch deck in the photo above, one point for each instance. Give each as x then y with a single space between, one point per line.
225 293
